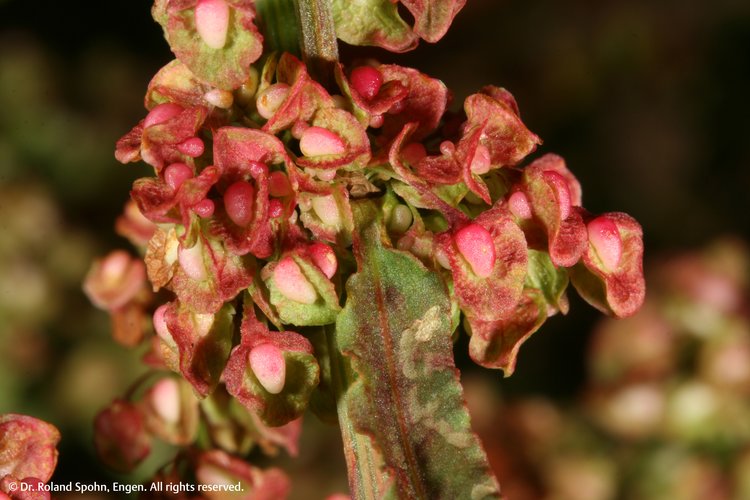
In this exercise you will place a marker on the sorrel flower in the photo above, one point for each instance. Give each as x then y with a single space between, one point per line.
320 239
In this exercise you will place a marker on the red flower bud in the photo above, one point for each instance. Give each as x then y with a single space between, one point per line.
239 202
367 81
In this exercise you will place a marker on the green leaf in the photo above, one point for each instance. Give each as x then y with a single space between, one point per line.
551 281
396 330
373 22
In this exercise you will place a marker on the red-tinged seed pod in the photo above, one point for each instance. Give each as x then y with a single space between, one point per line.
204 208
324 258
239 202
212 22
269 366
292 284
562 191
278 184
160 323
414 153
326 174
177 173
318 141
270 99
193 147
367 81
481 162
519 205
605 238
476 245
161 114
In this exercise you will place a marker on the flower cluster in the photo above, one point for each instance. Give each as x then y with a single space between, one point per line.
665 409
253 216
28 456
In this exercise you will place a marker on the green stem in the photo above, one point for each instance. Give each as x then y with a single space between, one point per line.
318 38
274 21
364 463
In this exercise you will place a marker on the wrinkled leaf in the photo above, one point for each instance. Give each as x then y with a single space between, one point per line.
495 344
227 67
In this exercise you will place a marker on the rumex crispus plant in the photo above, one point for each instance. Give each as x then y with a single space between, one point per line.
317 234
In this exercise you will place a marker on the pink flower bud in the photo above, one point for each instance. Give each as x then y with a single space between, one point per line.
299 128
268 364
191 261
271 99
278 184
605 238
481 162
413 153
239 201
367 81
165 399
327 210
220 98
193 147
275 208
160 323
114 280
162 113
176 174
317 141
292 284
376 121
212 22
478 248
519 205
447 148
324 258
562 191
204 208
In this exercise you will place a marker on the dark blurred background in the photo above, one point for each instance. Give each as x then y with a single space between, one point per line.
646 100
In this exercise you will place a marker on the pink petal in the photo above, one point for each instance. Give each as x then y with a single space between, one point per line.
165 398
605 238
191 261
292 283
324 257
560 184
162 113
268 364
212 22
478 248
317 141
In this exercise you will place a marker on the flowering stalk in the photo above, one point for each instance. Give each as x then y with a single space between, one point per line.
322 233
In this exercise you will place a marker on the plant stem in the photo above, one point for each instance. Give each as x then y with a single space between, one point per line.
364 463
318 39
